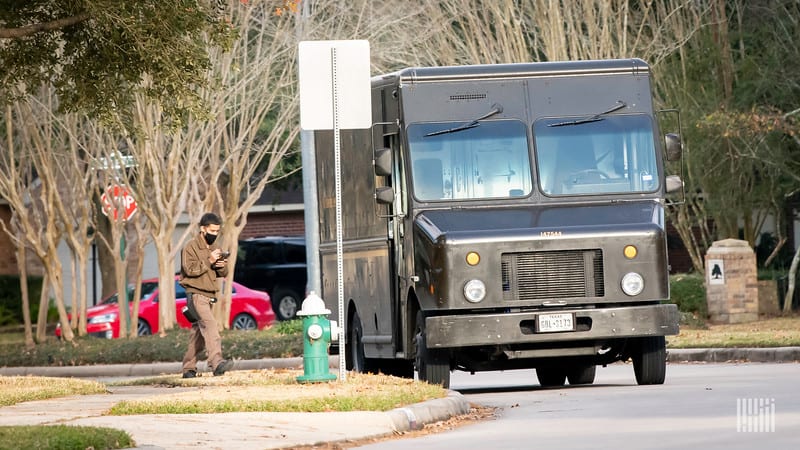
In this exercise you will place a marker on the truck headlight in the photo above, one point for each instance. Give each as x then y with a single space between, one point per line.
474 291
104 318
632 284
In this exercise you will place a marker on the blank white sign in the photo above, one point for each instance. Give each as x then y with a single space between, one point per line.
316 72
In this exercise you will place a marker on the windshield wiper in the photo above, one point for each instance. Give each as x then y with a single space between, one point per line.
496 109
597 117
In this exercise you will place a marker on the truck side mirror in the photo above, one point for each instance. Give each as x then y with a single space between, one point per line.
383 162
384 195
673 146
674 183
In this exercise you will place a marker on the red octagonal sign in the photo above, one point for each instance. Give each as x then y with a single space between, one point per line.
118 202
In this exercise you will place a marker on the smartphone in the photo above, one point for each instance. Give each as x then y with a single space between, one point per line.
224 255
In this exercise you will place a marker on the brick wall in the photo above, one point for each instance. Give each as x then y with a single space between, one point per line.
8 254
274 224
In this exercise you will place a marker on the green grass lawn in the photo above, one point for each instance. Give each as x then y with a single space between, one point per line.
62 437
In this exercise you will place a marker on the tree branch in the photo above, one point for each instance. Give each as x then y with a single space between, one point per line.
15 33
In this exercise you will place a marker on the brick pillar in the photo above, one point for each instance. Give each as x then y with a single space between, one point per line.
731 282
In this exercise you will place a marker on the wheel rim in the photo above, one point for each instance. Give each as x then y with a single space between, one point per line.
244 322
142 328
287 307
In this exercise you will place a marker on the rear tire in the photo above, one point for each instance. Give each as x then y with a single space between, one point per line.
581 374
285 303
551 376
433 366
244 321
650 360
356 361
402 368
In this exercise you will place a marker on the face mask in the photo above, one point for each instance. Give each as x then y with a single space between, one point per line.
210 238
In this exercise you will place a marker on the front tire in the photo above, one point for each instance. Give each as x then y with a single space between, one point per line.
650 360
581 374
433 366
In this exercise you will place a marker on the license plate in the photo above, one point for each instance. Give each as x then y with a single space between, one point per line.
549 323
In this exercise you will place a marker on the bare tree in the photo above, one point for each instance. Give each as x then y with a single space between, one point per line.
164 183
75 210
254 122
483 32
22 265
29 182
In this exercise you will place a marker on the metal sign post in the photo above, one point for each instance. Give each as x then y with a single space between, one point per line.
323 86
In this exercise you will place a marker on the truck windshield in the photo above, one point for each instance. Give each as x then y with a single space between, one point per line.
613 155
486 161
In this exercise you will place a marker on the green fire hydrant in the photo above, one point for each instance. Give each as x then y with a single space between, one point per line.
318 332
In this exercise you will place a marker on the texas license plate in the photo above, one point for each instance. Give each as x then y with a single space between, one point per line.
549 323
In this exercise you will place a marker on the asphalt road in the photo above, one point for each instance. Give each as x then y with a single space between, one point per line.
700 406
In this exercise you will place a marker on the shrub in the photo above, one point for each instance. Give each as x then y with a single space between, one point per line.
88 350
689 293
11 298
288 327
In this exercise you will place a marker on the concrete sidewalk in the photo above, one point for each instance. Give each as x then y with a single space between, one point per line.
229 430
264 430
219 431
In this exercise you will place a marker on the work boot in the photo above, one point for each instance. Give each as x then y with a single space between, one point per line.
224 366
190 374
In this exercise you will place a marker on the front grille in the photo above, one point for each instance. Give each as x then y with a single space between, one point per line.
552 275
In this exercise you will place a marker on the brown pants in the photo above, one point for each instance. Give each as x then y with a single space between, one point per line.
204 335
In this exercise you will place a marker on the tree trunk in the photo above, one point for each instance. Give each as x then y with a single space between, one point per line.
166 293
121 270
57 282
73 268
41 319
137 281
787 302
22 266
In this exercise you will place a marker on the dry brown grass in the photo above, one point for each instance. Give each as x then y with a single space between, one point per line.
278 390
767 332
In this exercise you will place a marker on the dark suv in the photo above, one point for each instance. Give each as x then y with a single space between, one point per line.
276 265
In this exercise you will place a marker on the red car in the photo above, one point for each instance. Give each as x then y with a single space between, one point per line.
250 310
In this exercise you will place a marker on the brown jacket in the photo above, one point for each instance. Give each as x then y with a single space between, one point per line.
197 275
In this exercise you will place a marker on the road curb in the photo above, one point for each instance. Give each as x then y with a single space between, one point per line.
414 417
675 355
774 354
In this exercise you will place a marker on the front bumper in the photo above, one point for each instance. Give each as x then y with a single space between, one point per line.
515 328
